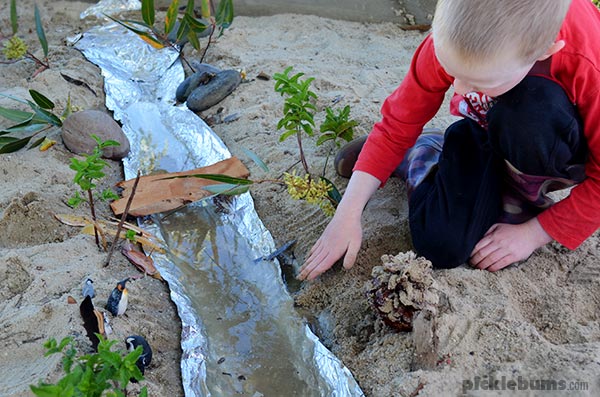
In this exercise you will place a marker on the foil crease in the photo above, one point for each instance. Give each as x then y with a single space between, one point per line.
140 84
110 7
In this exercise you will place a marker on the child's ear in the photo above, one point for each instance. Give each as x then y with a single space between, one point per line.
554 48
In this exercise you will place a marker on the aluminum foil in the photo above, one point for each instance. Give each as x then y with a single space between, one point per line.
240 331
110 7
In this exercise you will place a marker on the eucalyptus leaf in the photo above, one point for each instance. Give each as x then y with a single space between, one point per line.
334 194
45 115
171 16
16 145
144 35
148 11
15 115
41 100
23 127
216 178
7 139
39 28
36 143
254 157
189 9
205 8
228 189
14 19
183 30
194 41
195 24
224 15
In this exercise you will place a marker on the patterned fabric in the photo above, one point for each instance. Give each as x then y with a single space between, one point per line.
525 196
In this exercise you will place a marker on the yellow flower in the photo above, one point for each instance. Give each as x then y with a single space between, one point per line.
309 189
14 48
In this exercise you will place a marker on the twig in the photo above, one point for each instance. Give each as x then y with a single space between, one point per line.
91 199
123 217
212 31
302 158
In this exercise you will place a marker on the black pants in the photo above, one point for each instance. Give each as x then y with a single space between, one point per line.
534 126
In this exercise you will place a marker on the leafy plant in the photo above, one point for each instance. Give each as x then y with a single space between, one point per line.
298 110
31 123
105 373
189 27
15 48
337 125
88 171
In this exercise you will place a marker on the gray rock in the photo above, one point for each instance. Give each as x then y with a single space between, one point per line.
78 127
204 73
214 91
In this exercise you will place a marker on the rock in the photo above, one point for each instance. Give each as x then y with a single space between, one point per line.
78 127
204 72
214 91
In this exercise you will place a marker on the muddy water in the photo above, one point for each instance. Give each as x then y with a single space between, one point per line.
256 345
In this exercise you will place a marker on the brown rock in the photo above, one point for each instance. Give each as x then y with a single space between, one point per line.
78 128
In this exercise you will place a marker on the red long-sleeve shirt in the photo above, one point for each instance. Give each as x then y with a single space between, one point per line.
576 68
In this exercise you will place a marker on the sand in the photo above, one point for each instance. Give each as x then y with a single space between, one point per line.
538 320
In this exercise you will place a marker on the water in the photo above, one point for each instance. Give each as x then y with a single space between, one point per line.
254 347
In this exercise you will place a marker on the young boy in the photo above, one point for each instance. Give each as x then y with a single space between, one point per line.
526 76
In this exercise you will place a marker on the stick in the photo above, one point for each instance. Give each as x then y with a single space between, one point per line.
123 217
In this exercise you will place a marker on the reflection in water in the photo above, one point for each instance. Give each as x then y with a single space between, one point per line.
256 343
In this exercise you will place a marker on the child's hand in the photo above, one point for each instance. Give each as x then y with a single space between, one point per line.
506 244
342 236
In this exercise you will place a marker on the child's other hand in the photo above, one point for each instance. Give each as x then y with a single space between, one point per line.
342 236
505 244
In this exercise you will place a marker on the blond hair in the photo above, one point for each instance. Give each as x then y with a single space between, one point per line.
482 29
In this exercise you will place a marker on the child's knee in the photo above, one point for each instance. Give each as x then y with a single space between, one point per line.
443 248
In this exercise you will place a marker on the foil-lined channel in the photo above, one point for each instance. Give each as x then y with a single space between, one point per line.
240 331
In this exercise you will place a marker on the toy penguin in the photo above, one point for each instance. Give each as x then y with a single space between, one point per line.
88 288
145 358
117 301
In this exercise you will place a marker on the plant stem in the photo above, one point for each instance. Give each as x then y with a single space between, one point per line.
91 200
123 217
302 158
38 61
212 31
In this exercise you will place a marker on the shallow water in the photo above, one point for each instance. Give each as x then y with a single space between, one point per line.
253 348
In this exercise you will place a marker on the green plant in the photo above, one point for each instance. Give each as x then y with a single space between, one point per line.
337 125
31 123
15 48
189 28
298 110
105 373
88 171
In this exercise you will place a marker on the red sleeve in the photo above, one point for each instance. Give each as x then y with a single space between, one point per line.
575 218
405 112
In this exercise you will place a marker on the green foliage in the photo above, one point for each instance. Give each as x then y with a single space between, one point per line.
15 47
337 125
131 235
105 373
298 111
190 27
89 170
29 123
298 117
